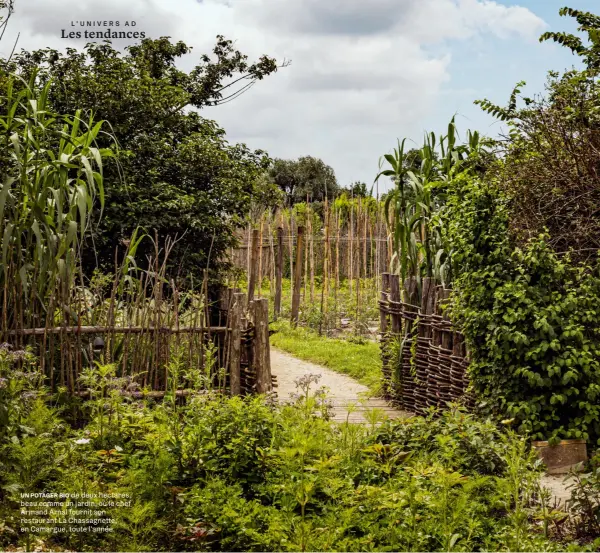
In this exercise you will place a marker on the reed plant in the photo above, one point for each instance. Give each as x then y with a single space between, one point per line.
51 175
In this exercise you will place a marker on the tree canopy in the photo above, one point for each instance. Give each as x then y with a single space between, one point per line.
175 173
306 177
358 189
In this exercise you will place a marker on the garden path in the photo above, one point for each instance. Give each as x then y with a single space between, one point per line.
344 391
349 398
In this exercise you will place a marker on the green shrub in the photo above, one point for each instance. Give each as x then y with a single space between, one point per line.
227 437
230 474
460 440
531 320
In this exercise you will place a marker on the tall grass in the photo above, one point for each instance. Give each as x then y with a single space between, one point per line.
51 175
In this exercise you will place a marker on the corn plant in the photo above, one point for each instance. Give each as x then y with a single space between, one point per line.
418 195
51 175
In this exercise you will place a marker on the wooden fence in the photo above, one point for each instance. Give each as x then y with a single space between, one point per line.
424 359
340 257
231 355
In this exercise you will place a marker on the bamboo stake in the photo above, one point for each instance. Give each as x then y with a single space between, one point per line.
312 259
260 258
307 223
337 265
297 278
325 285
253 265
278 273
236 344
351 251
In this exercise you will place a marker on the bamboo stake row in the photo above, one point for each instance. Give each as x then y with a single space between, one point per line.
347 242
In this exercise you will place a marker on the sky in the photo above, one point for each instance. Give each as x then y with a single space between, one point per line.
362 73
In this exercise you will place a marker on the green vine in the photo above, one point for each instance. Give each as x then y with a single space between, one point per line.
531 319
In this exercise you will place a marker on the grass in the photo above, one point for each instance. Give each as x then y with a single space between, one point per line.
340 305
361 361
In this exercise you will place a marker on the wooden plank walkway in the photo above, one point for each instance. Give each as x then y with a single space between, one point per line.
348 397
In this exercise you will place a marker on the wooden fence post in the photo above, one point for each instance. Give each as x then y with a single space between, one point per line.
383 316
278 273
239 301
410 311
252 277
394 281
297 277
261 356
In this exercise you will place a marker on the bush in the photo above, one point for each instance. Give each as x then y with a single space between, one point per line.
231 474
460 440
531 320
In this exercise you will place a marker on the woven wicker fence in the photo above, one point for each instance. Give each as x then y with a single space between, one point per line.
424 359
235 330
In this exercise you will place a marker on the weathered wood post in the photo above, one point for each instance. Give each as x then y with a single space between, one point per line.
235 320
426 378
297 277
410 312
383 316
278 273
262 355
446 345
252 277
394 281
385 339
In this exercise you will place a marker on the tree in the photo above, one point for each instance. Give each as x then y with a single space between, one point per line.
267 196
176 174
305 177
589 24
358 189
551 155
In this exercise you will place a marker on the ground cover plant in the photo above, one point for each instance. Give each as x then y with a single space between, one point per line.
236 474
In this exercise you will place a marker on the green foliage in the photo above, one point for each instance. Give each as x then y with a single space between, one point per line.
503 114
549 162
420 178
220 517
585 498
226 474
176 174
467 444
589 24
52 176
524 243
530 319
305 177
226 438
358 189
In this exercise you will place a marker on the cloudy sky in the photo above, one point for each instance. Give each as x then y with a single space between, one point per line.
363 73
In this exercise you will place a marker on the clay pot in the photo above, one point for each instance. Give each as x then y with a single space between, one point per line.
563 457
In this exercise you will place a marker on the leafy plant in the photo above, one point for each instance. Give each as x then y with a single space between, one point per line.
530 319
585 499
52 178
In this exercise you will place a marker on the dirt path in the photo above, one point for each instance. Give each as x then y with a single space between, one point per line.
559 486
344 391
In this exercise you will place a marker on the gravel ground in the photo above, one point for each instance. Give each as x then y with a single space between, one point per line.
558 487
349 398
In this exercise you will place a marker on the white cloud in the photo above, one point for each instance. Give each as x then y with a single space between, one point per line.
504 21
363 72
